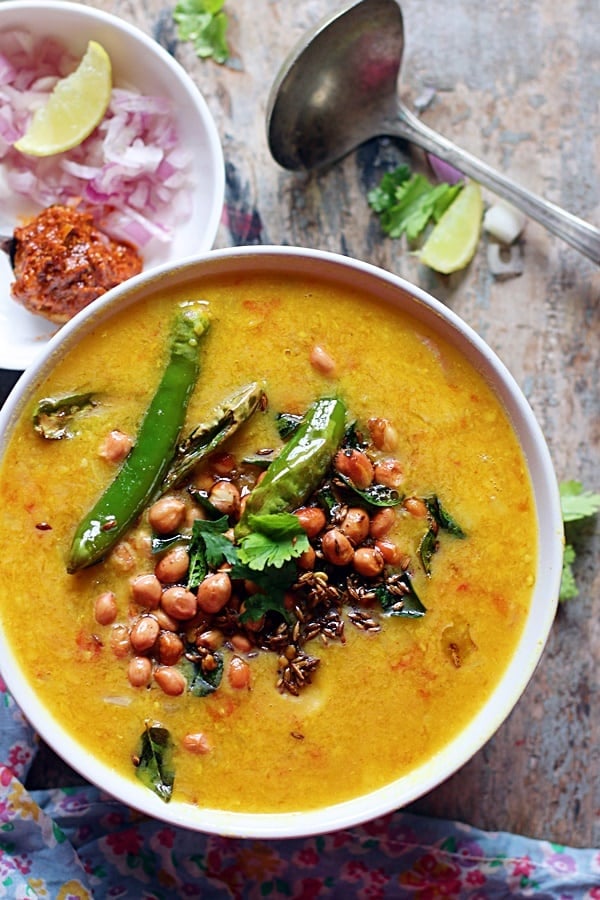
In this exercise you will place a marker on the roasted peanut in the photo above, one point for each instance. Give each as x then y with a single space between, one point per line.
139 671
173 566
356 466
119 640
170 680
382 522
312 519
214 592
169 648
241 643
368 561
115 446
179 603
105 608
225 496
321 361
146 590
389 472
167 514
355 525
383 434
196 743
415 507
238 673
336 548
392 554
144 633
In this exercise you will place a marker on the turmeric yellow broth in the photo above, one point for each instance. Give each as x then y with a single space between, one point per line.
381 701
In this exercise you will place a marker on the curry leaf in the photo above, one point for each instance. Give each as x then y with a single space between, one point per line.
200 682
375 495
442 517
154 766
160 542
405 602
427 547
287 424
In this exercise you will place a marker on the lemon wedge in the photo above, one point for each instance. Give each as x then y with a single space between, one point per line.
453 241
74 108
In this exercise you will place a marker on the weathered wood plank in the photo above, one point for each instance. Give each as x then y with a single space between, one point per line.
512 83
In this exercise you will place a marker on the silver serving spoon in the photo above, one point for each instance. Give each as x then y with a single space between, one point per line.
338 88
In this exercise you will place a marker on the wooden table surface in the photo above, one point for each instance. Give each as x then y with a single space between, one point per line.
516 83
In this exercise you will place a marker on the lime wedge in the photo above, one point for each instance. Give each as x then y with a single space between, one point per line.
452 243
73 109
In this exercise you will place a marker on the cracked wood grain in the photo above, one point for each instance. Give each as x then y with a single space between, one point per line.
511 83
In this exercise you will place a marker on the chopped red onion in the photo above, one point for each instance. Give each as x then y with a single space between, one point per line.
130 172
444 171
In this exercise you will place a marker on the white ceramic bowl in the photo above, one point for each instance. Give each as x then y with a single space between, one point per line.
427 310
141 64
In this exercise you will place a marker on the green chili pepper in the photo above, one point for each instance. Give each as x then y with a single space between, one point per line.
144 468
300 466
205 438
53 416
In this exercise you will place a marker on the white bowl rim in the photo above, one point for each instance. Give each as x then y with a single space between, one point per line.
19 357
520 669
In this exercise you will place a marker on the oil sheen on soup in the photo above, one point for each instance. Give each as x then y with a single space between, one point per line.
382 691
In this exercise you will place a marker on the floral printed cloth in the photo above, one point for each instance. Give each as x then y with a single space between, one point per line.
76 843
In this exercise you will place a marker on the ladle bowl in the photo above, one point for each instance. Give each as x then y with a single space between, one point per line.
339 87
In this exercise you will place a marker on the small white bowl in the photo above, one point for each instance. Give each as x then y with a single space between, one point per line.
141 63
388 288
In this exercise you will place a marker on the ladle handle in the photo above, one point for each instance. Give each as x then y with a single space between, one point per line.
581 235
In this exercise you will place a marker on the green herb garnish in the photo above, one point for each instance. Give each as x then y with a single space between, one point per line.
208 549
201 683
273 540
378 495
54 416
439 520
154 762
576 504
403 602
204 24
442 517
406 203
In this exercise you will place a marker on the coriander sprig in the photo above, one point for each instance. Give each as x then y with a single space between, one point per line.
204 24
576 504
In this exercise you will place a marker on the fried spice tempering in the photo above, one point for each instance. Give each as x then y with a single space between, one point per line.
62 262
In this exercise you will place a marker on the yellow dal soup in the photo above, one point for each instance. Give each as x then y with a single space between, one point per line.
386 691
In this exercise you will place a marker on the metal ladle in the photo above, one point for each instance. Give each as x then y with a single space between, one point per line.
338 88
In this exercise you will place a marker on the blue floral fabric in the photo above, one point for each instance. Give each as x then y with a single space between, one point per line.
76 843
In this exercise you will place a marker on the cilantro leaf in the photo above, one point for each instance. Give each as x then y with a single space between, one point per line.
204 24
208 548
568 585
384 195
273 540
272 585
576 503
407 203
